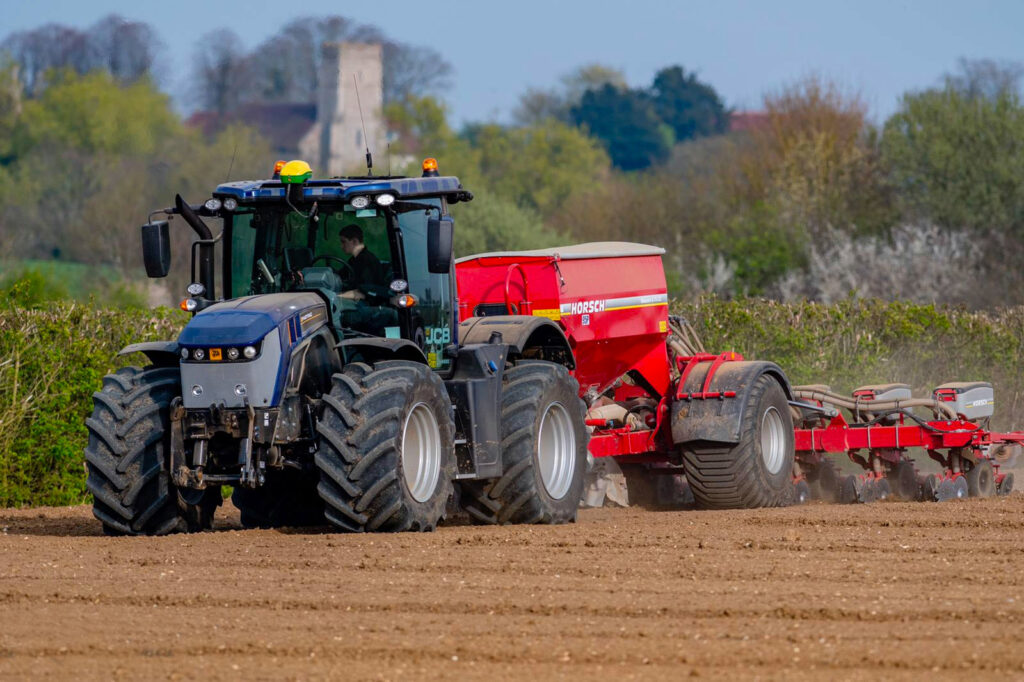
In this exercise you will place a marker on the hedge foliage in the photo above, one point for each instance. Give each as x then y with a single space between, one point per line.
52 359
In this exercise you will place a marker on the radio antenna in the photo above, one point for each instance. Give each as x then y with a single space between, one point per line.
389 159
369 156
232 164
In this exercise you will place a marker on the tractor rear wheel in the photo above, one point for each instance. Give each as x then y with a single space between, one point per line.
126 458
981 479
755 472
544 450
387 448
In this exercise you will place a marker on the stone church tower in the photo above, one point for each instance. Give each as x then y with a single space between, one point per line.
336 145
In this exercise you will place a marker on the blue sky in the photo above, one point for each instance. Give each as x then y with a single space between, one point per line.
498 50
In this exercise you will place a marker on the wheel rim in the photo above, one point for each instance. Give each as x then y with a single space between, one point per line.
421 452
556 450
773 440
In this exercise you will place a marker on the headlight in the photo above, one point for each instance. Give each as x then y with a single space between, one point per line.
184 353
385 199
198 354
230 204
249 352
232 353
196 289
399 285
212 204
360 202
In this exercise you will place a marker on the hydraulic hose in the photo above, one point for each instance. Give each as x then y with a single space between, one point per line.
873 406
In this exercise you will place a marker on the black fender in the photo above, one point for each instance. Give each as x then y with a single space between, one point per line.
378 349
160 353
312 363
718 420
525 335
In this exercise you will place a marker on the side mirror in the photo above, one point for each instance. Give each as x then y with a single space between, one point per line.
440 235
156 248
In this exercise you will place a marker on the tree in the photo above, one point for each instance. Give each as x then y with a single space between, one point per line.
221 71
537 105
128 50
628 125
818 161
959 160
985 78
690 107
540 166
93 157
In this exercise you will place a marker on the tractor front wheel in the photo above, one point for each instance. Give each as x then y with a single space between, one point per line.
387 448
126 458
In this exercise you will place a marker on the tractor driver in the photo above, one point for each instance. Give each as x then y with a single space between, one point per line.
367 270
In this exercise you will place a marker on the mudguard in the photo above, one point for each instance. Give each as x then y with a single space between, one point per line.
160 353
718 420
377 349
521 333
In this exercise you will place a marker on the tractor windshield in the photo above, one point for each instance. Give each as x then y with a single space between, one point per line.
351 257
276 250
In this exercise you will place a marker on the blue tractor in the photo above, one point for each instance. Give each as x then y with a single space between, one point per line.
326 377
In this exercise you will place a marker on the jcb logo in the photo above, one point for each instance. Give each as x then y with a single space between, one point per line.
438 336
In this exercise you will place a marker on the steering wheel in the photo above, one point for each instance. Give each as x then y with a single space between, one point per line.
340 261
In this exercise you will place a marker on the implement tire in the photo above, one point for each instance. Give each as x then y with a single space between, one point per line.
287 498
544 450
387 448
127 454
757 471
981 479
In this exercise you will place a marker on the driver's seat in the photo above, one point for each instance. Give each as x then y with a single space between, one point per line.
297 258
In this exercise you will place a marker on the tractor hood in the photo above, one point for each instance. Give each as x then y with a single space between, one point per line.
215 372
244 321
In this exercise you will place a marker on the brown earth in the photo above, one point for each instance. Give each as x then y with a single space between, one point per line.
888 590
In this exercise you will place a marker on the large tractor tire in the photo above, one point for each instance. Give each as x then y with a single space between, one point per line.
757 471
386 448
544 450
127 454
286 498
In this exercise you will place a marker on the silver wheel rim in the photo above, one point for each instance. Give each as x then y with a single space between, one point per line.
556 450
421 452
773 440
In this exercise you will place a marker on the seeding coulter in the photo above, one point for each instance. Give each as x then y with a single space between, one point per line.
658 404
341 367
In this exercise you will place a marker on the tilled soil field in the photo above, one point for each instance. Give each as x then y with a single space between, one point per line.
888 590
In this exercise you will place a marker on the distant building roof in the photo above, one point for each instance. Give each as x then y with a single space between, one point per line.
282 125
747 121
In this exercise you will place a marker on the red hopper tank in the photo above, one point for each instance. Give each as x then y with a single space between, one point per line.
610 299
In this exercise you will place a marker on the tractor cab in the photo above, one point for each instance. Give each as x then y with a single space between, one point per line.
376 250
